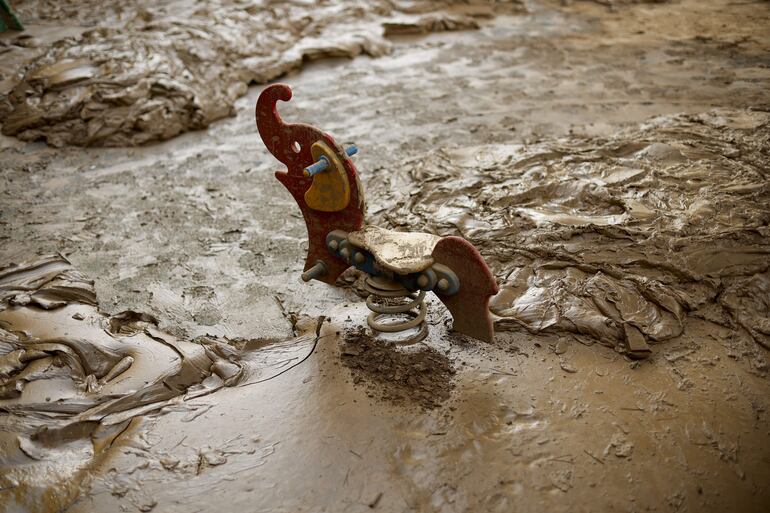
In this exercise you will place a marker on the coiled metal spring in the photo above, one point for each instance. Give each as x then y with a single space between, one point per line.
389 299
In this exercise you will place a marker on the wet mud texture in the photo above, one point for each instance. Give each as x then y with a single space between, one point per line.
405 375
73 381
200 242
161 70
616 240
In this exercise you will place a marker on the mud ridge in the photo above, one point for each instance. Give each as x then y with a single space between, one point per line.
72 379
617 239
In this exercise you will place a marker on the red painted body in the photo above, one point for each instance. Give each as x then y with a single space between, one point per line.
281 140
470 305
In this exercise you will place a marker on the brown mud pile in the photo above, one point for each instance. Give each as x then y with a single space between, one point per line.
176 67
76 384
616 240
410 375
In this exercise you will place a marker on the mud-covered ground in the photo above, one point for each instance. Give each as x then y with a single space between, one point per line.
609 159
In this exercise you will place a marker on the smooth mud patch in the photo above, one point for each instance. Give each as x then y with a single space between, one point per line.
415 375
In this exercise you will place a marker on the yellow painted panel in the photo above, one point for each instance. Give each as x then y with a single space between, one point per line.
330 191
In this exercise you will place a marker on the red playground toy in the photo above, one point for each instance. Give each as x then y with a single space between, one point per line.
323 180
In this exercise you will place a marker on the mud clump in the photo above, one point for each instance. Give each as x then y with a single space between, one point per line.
409 375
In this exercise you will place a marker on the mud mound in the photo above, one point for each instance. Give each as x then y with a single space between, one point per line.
73 380
413 375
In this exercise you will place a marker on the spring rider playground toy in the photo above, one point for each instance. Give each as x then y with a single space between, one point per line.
401 267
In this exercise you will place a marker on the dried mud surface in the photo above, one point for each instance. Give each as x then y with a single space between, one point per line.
608 158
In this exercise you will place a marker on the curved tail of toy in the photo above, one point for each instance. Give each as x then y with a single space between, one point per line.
274 132
470 306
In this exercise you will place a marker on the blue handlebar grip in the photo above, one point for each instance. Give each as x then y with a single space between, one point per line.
323 162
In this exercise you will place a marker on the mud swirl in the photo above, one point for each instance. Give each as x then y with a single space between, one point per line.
72 379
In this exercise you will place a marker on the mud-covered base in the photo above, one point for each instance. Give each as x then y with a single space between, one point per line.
406 375
610 163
